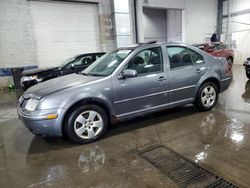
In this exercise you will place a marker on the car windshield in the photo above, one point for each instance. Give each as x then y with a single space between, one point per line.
67 61
107 64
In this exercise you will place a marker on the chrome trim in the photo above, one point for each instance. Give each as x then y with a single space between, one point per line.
153 94
181 88
225 79
159 106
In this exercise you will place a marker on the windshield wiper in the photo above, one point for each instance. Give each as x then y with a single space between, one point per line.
85 74
95 74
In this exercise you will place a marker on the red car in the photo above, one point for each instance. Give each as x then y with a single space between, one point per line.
218 49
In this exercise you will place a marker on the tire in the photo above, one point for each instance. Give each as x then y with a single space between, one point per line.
206 97
248 76
230 60
86 124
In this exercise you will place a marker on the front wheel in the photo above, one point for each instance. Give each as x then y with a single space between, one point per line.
207 97
86 124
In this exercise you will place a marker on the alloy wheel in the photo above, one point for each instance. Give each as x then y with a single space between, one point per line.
208 96
88 124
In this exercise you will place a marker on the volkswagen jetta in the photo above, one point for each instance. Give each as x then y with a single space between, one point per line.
123 84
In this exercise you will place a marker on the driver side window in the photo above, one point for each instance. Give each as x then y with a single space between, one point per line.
85 60
147 61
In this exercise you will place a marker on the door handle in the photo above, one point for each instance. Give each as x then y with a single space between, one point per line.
161 78
200 69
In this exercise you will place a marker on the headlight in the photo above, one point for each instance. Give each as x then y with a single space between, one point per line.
20 100
28 78
31 104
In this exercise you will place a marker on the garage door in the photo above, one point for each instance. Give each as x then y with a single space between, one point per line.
63 30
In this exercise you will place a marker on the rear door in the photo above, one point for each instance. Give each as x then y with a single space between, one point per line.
186 69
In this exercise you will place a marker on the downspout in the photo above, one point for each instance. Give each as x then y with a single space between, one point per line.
135 25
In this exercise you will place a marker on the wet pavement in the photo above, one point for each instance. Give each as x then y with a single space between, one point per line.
218 140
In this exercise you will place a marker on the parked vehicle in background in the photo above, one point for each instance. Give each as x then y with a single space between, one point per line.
75 64
218 49
247 67
123 84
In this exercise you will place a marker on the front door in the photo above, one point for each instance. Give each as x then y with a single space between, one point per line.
186 69
145 91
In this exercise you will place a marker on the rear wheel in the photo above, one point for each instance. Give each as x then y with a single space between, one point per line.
207 97
86 124
230 63
230 60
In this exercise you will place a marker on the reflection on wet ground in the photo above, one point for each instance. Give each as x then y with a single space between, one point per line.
218 140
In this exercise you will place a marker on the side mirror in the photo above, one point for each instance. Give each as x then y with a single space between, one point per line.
128 73
199 62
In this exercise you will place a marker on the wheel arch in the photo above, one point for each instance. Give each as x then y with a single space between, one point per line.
84 102
211 79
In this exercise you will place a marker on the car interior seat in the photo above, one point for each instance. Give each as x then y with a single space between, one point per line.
137 64
156 62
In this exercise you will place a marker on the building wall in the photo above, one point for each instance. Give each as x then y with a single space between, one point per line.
162 4
18 44
237 28
174 25
199 17
17 40
155 24
123 22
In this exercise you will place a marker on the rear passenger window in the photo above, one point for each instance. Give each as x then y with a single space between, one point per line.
178 57
196 58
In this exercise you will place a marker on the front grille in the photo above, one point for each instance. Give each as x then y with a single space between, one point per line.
183 171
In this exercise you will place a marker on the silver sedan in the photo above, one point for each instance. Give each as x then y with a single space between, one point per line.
123 84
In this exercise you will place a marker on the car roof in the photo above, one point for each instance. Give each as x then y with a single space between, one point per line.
153 44
93 53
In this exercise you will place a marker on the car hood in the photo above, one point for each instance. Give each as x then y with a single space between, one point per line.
30 72
54 85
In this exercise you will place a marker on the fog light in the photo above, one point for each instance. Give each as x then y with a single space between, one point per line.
52 116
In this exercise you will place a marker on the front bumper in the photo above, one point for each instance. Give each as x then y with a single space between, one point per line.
38 123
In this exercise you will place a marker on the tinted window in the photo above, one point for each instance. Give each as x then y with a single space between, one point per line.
196 57
86 60
178 57
220 47
147 61
81 61
217 47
